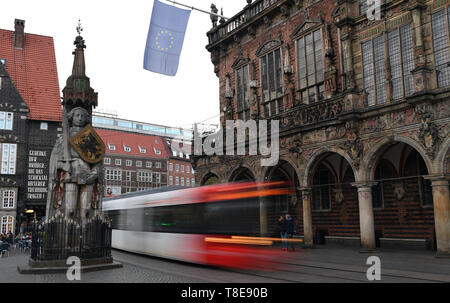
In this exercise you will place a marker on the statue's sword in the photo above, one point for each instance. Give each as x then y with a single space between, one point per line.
67 158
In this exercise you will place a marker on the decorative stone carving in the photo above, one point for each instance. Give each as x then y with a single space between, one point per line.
331 71
429 136
322 111
353 145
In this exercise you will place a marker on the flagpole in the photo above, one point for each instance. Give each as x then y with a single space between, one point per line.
200 10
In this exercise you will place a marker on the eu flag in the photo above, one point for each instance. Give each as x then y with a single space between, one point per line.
165 38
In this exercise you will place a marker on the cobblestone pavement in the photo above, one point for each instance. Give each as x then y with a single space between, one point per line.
320 264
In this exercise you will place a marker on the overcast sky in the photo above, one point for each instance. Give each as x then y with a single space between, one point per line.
115 33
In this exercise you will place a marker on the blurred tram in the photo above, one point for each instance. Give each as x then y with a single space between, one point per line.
213 225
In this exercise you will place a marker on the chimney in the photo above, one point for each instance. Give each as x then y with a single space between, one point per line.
19 33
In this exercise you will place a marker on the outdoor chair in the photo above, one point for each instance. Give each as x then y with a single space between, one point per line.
4 247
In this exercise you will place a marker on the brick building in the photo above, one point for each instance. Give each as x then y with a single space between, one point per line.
133 162
30 119
179 171
363 110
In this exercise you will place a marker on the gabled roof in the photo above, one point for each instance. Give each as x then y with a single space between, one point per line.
34 73
136 142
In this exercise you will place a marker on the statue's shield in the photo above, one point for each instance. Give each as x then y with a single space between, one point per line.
89 145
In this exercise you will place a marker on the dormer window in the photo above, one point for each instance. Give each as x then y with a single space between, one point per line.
3 61
142 150
157 151
127 149
111 147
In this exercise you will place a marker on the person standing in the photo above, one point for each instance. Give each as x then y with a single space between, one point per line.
290 227
283 231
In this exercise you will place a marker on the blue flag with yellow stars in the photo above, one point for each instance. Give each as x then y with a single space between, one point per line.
165 38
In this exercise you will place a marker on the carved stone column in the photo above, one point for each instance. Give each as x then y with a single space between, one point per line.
441 205
421 73
307 217
366 216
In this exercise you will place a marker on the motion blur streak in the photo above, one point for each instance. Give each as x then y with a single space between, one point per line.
255 241
217 225
267 239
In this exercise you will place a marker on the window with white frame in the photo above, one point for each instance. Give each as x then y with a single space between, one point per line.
170 180
187 169
243 94
374 71
311 67
440 28
142 150
9 153
138 163
177 167
193 181
157 177
111 147
188 182
157 151
107 161
6 120
8 197
118 162
158 164
182 168
177 181
44 126
113 174
128 162
145 176
148 164
128 176
182 181
272 83
7 224
170 166
127 148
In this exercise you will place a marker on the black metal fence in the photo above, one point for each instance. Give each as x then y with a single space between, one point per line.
61 238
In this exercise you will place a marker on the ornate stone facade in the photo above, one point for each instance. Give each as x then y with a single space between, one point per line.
373 135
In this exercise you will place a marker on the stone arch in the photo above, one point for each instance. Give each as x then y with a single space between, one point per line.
314 159
442 161
241 173
207 176
369 160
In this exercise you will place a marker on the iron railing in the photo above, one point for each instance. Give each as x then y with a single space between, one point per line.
238 20
62 238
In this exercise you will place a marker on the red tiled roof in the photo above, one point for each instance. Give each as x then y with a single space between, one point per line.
134 141
34 73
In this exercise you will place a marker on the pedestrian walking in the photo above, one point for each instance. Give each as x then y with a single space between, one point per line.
283 231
